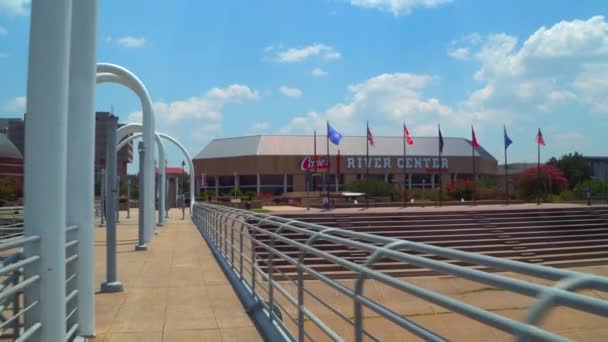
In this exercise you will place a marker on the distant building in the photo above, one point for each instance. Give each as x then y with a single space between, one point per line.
177 179
11 163
288 163
125 155
14 129
599 165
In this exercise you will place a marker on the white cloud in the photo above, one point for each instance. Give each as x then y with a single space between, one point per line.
204 111
131 42
290 92
15 7
461 48
318 72
398 7
387 99
3 31
16 105
551 71
459 53
296 55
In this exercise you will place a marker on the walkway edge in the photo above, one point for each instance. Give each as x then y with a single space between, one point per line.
268 330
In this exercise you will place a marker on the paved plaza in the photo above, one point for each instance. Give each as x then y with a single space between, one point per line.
175 291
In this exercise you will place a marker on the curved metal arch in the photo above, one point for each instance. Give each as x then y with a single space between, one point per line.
187 155
128 79
180 146
136 127
162 170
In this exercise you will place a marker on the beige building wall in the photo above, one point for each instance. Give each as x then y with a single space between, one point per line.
458 167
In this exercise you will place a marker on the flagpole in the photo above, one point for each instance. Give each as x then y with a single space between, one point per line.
538 171
474 166
367 163
440 185
506 166
328 163
338 171
404 166
312 179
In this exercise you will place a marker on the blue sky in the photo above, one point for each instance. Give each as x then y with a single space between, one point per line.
231 68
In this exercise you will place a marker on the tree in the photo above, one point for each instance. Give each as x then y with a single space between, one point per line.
574 167
551 180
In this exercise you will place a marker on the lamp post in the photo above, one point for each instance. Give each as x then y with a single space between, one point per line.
183 201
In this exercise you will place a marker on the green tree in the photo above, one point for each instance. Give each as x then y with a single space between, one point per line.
573 166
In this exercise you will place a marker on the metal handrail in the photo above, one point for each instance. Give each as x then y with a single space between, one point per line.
264 232
13 285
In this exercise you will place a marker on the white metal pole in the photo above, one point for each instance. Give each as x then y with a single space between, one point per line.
46 165
111 284
128 196
81 155
102 194
141 244
161 182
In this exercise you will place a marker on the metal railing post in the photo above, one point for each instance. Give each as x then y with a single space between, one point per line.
46 164
111 284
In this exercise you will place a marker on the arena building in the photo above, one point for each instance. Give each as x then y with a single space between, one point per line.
287 163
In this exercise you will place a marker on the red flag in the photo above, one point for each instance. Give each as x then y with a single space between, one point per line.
408 138
370 137
474 138
539 138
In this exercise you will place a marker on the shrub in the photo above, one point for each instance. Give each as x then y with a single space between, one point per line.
460 189
551 180
9 189
566 196
206 196
122 199
597 187
235 192
375 188
250 195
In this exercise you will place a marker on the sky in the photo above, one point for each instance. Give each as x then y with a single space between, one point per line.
217 69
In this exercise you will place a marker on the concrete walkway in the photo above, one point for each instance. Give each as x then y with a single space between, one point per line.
175 291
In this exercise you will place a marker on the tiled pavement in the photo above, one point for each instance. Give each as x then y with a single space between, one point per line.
175 291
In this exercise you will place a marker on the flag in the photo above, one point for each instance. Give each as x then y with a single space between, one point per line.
474 138
440 140
333 135
508 140
408 138
539 138
370 137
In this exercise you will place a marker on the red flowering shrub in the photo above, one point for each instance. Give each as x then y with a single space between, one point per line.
460 189
551 180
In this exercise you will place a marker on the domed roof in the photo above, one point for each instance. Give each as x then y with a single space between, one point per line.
8 149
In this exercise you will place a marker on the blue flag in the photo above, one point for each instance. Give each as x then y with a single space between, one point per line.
333 135
508 140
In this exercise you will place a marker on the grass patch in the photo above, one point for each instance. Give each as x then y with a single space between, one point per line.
261 210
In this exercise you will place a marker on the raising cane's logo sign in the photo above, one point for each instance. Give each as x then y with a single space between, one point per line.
309 164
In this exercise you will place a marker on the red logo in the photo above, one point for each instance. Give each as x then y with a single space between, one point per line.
321 163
